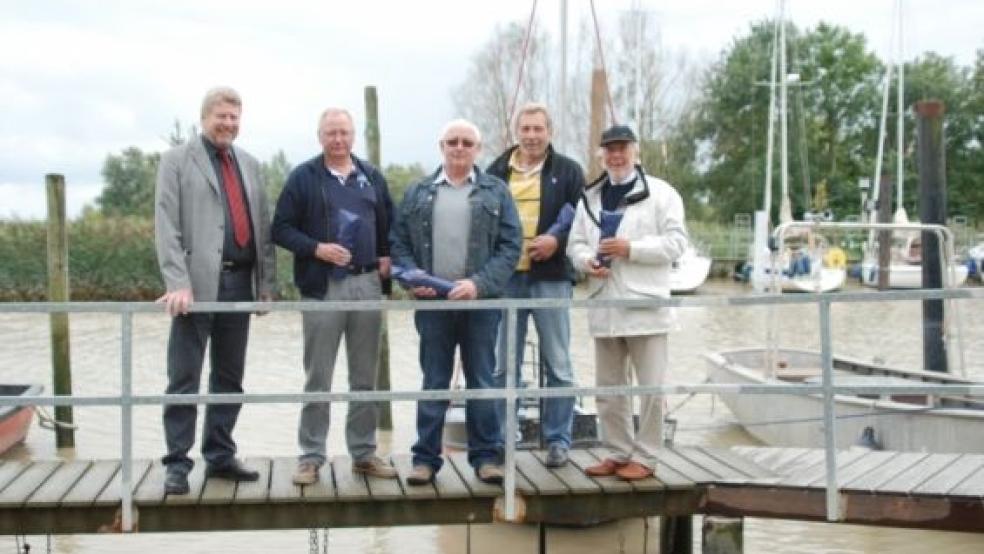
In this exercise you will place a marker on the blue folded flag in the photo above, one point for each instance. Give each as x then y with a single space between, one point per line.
608 221
564 221
349 227
419 278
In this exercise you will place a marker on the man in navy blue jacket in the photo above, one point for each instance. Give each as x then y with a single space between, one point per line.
334 214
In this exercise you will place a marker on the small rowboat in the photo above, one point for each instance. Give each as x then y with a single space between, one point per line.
16 420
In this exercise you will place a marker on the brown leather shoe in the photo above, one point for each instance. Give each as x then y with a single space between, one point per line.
420 475
490 473
633 471
606 468
305 474
373 466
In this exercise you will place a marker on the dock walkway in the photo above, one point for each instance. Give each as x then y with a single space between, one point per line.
932 491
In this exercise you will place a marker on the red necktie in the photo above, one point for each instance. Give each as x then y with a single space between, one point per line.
234 195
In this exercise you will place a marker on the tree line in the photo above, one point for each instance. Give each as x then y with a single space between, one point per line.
701 126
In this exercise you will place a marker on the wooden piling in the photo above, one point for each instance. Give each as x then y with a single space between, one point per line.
598 87
676 535
722 535
383 370
58 291
932 209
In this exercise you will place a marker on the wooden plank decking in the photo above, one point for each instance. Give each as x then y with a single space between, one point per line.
933 491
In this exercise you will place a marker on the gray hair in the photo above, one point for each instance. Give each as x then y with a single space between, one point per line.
219 95
335 111
532 108
460 122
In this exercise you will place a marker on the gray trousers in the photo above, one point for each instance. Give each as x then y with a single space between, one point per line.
648 354
322 335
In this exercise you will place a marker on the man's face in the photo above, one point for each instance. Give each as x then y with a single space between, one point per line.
533 134
460 148
221 124
617 157
336 135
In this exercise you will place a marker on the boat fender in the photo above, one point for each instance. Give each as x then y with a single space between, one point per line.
868 440
835 258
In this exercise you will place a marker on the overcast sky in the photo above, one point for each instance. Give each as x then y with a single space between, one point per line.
81 79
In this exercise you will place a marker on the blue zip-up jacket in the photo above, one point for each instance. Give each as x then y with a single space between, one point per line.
301 220
494 239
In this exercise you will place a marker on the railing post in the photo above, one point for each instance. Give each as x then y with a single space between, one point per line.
509 437
126 419
829 416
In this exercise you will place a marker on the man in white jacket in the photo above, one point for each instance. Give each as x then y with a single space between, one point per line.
633 264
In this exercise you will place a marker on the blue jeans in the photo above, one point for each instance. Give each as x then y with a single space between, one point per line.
553 326
474 332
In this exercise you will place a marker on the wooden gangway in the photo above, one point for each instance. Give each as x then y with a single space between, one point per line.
919 490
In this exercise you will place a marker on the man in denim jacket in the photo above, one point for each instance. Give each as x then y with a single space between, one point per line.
458 224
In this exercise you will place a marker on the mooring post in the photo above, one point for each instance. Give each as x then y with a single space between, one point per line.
932 209
722 535
676 535
383 370
598 87
61 363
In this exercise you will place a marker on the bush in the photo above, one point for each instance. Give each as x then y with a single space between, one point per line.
108 259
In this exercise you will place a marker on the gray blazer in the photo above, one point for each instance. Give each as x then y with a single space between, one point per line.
189 219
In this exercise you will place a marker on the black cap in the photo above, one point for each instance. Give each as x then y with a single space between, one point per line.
617 133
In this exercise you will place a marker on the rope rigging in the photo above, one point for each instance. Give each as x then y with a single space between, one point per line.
521 71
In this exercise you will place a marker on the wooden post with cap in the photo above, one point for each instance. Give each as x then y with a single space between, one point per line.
383 370
58 291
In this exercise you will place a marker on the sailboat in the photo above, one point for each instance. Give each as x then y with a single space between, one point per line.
805 262
894 421
689 271
905 265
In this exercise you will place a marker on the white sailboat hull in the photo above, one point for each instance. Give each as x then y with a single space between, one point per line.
900 424
689 272
830 279
907 276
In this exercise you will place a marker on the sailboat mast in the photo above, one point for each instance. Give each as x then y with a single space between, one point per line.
637 8
562 127
900 121
770 134
886 84
785 210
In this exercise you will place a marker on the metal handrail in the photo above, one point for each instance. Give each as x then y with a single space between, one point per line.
126 400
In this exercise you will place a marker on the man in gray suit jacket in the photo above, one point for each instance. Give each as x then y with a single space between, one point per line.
213 244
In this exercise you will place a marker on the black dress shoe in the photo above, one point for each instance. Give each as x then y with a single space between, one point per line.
176 482
233 471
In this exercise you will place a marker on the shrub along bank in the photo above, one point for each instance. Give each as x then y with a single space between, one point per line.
108 259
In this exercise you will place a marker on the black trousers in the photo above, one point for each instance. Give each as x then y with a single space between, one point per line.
190 335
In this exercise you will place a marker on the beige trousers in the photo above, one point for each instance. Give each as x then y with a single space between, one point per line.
648 355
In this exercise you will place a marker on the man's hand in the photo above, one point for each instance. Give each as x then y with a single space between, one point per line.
542 247
333 253
423 292
464 289
614 247
177 302
264 297
385 264
594 268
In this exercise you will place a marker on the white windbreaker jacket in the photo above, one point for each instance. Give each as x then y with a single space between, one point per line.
656 230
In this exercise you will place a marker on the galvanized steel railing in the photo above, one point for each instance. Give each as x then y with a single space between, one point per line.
126 399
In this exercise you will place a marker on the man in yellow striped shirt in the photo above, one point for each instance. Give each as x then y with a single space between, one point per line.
542 181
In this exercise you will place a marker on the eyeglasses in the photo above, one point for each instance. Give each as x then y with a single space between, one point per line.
454 142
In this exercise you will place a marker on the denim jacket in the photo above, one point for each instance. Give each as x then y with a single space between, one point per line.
494 238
